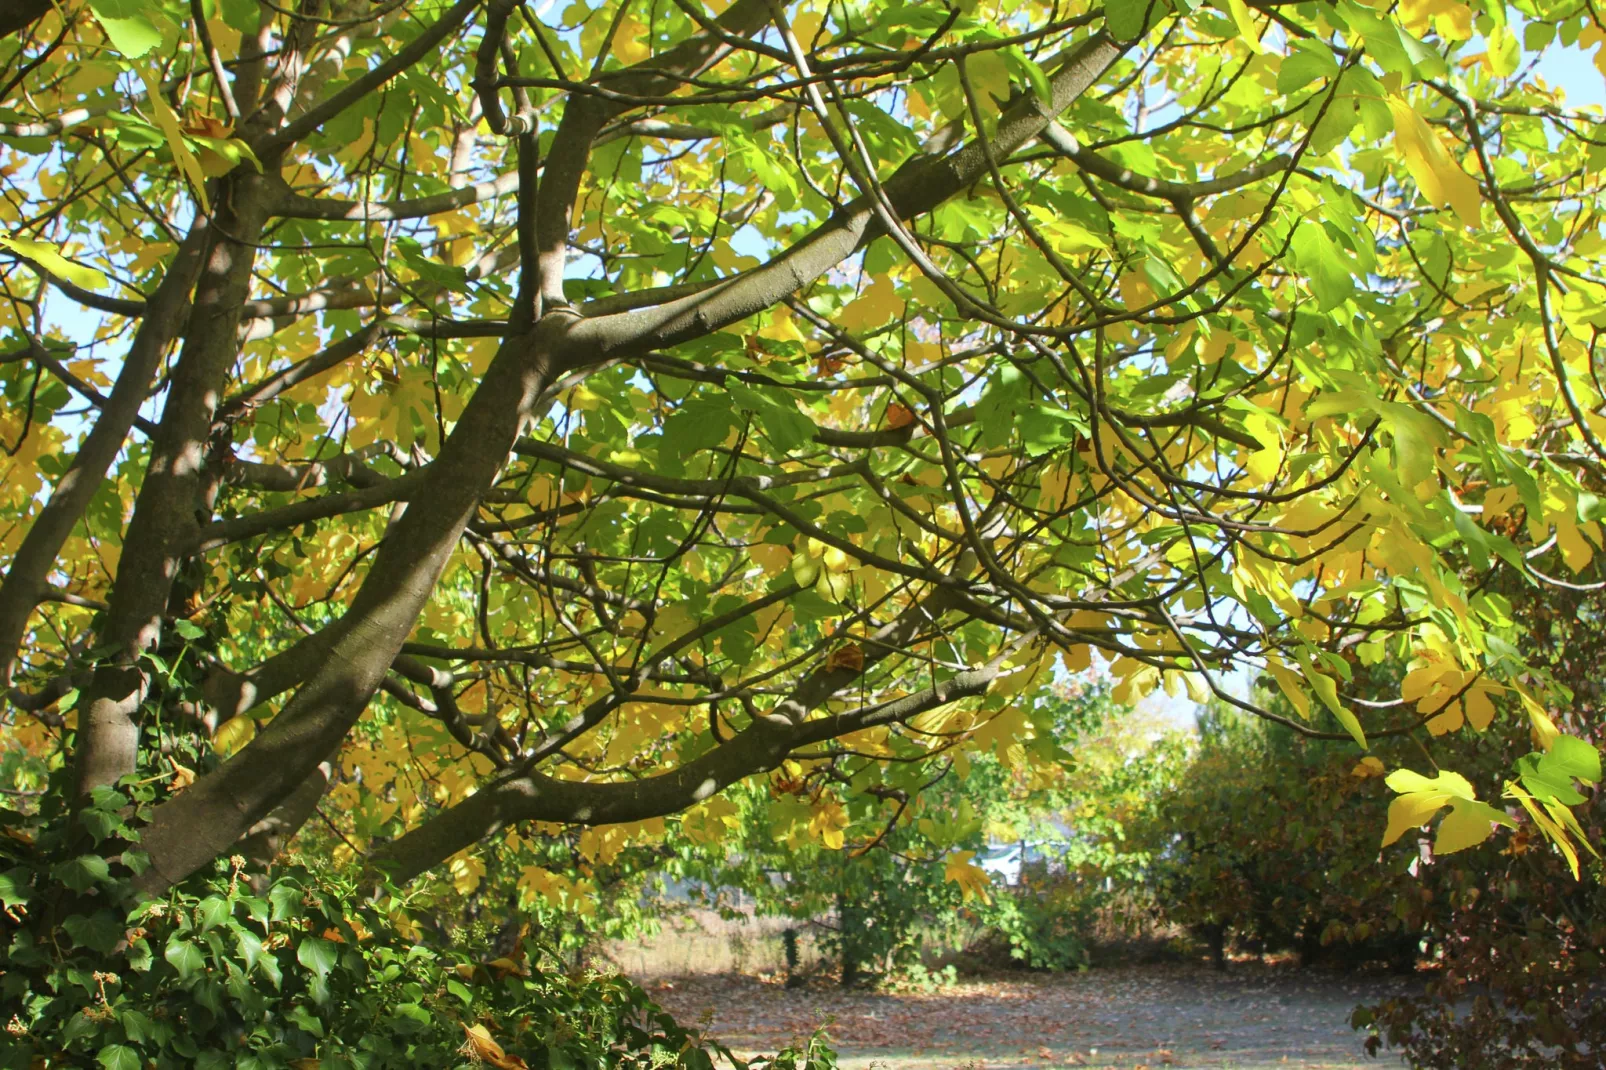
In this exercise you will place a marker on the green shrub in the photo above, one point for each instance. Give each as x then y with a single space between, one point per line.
304 969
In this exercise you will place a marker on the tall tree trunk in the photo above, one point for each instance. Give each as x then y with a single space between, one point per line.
178 491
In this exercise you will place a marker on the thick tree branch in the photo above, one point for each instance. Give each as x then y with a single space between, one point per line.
36 556
916 188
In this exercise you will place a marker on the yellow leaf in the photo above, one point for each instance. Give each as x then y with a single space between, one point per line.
875 306
1412 811
630 41
183 776
1543 729
1545 825
1575 549
1368 766
1478 708
1326 689
1448 783
971 878
1437 174
1246 26
479 1046
233 734
49 258
466 871
1290 685
188 165
1468 824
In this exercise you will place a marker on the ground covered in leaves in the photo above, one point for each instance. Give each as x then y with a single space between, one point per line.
1155 1016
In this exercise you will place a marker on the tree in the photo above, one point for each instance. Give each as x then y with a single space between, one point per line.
883 891
491 419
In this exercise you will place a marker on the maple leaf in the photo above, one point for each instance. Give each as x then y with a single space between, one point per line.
973 881
1468 824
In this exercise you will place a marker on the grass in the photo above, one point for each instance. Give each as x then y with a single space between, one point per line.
703 942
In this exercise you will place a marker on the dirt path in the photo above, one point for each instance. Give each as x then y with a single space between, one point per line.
1166 1016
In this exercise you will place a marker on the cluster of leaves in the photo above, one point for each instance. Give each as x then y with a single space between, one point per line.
301 970
1520 944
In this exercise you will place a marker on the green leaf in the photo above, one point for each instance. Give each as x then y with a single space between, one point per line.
305 1020
213 911
1124 19
82 873
1034 74
184 957
1324 264
49 258
1575 758
119 1057
317 955
131 31
1303 67
785 426
1045 428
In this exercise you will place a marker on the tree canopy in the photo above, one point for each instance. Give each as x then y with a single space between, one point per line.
483 419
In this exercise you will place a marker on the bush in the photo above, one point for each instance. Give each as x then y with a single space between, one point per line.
305 969
1268 842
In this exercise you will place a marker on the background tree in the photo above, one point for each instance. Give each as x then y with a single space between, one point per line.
886 894
477 420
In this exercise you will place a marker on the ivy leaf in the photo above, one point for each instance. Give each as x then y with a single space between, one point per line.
100 931
305 1020
14 887
213 911
82 873
317 955
184 957
119 1057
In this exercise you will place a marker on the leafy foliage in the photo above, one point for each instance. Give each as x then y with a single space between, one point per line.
888 893
304 969
1520 942
1261 841
505 432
